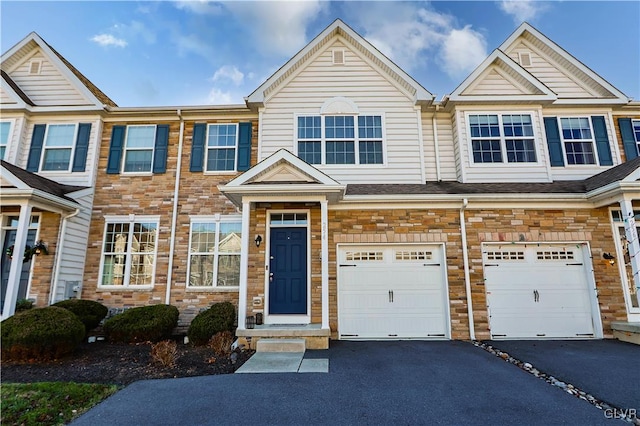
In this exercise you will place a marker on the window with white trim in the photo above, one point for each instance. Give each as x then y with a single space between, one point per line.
336 139
214 253
139 148
577 140
495 137
129 252
5 129
58 146
635 124
222 147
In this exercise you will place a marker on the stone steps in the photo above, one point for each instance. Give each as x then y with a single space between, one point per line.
280 345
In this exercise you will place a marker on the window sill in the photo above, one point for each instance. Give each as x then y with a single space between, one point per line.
133 174
221 172
113 288
213 289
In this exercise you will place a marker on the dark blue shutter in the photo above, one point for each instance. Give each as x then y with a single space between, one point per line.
35 150
82 146
602 140
628 140
553 141
197 147
244 146
161 147
115 149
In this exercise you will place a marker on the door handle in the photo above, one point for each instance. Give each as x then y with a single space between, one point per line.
389 296
536 296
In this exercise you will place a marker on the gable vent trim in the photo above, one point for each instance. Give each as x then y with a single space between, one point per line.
34 67
338 57
525 59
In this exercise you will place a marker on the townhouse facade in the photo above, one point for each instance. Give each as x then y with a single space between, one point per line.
343 201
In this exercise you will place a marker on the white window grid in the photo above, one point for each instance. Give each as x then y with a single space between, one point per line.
209 149
148 146
123 264
579 126
357 139
555 255
6 127
405 255
505 153
55 148
210 229
364 256
635 124
505 255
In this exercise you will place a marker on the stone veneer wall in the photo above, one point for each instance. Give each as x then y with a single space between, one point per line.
42 265
121 194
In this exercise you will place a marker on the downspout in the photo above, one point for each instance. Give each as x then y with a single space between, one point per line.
436 146
63 231
467 279
174 215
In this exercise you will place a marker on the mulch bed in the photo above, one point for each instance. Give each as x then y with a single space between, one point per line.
121 364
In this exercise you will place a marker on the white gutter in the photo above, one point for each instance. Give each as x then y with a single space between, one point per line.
436 146
467 278
63 231
174 215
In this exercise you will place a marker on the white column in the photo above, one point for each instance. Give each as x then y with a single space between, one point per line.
325 263
244 265
628 216
13 283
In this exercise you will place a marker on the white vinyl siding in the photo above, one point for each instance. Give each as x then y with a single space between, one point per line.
553 75
373 92
493 82
501 171
48 88
446 149
6 99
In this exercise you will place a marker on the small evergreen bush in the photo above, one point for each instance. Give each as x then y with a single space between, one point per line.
219 317
147 323
23 305
41 334
88 311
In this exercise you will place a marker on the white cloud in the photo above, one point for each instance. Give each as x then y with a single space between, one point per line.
522 10
108 40
462 51
229 73
410 34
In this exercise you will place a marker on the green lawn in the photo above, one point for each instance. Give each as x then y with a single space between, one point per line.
52 403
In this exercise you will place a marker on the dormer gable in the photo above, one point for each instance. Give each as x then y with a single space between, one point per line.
339 32
33 67
500 79
570 79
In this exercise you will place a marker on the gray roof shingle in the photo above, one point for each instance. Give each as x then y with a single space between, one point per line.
41 183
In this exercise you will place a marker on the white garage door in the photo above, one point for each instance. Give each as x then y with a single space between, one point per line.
537 291
392 292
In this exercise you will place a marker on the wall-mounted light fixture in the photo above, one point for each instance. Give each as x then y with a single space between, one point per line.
611 258
258 240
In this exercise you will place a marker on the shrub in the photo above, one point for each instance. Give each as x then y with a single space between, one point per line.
88 311
221 343
41 334
23 305
147 323
165 353
219 317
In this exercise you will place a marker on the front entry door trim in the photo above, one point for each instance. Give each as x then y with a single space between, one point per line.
288 318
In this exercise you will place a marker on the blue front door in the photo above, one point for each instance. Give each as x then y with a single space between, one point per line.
9 240
288 271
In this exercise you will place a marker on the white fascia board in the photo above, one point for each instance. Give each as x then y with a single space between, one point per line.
504 98
257 96
281 154
457 95
81 192
13 180
582 67
537 197
615 189
45 199
591 101
12 93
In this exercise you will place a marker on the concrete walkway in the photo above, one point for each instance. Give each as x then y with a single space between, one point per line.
406 383
283 362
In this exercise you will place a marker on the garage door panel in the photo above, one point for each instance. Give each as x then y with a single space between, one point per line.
393 291
537 292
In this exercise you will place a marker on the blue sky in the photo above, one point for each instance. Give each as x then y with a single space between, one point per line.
169 53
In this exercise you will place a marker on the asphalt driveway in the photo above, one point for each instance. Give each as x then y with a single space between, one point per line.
406 382
607 369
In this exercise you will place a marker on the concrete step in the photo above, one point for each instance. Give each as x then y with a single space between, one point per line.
280 345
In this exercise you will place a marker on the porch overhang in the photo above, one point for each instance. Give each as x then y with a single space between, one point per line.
37 199
282 192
